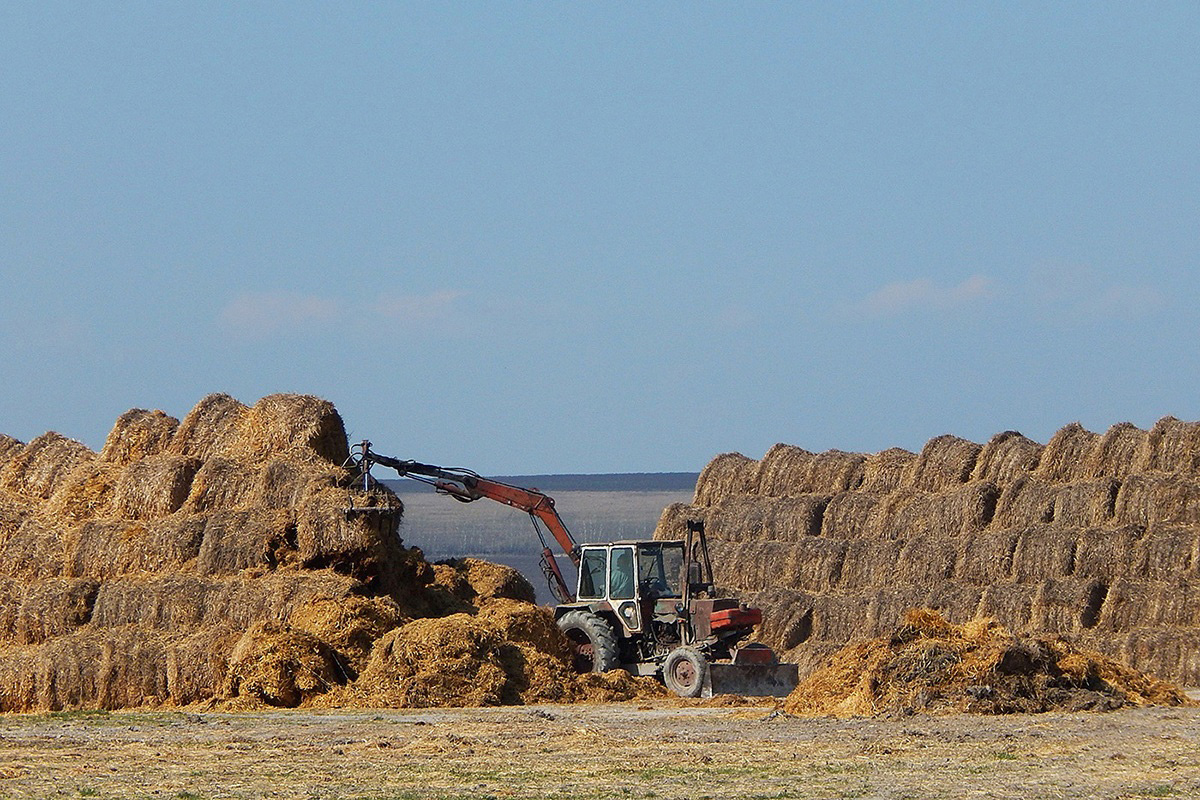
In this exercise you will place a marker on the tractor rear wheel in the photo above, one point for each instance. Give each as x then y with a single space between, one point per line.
593 643
685 671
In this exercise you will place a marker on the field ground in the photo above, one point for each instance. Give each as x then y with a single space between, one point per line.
647 750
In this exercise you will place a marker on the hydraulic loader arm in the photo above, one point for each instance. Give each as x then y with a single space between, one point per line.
467 486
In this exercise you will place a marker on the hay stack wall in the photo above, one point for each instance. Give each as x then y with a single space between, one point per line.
211 560
1094 536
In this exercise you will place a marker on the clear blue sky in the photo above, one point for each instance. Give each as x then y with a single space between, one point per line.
603 237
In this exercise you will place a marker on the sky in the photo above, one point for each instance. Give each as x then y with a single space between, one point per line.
618 237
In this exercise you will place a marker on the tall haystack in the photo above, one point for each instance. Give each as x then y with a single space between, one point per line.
214 560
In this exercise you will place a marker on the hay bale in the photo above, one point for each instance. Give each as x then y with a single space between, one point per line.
86 493
1067 455
949 513
840 618
727 475
210 428
155 486
985 557
1044 551
238 540
831 472
884 472
784 470
1006 457
1165 552
285 483
749 519
813 564
888 606
365 546
945 462
33 551
1010 604
222 484
1066 605
282 667
928 558
954 600
197 664
1106 553
869 564
1125 606
9 447
1158 499
32 612
170 602
1174 446
1124 449
672 523
849 515
1084 503
295 426
1165 653
1024 502
138 433
42 465
107 548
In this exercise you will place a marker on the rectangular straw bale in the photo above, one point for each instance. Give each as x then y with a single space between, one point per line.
1084 503
14 511
869 564
1174 603
887 606
223 484
672 523
748 566
198 663
813 564
86 493
1170 654
1165 552
1009 603
1059 605
34 550
727 475
785 519
365 546
787 617
1006 457
171 602
784 470
928 558
47 608
948 514
884 472
210 428
945 462
155 486
237 540
299 427
840 618
1147 499
107 548
1044 551
1024 502
138 433
834 471
738 519
957 601
56 675
283 483
1067 455
1126 605
985 556
1123 450
40 466
848 515
1174 446
1106 553
132 671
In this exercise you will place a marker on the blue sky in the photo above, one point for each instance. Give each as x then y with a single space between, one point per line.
603 237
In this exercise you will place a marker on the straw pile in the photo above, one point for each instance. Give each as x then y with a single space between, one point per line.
1046 539
929 665
212 561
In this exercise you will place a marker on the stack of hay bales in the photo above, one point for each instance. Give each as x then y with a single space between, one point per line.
1094 536
212 559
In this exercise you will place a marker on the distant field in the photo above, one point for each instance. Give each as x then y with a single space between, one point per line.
445 528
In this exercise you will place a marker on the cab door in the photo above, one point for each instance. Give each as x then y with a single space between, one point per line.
622 587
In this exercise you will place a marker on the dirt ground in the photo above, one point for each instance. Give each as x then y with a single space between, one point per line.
635 750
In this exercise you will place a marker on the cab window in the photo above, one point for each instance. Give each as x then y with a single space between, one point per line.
658 569
591 574
620 577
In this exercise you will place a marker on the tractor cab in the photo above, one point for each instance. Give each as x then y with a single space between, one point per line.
632 580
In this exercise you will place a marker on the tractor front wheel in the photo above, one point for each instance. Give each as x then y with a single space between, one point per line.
593 643
685 671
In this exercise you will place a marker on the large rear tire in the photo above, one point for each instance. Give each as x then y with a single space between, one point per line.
593 643
685 671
